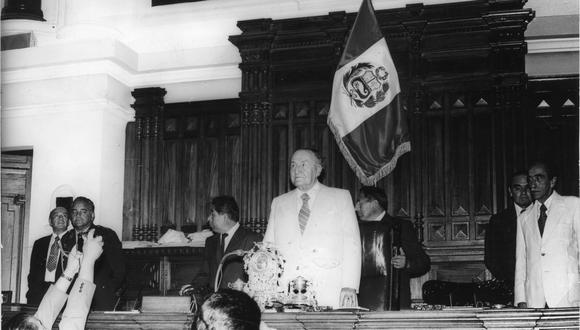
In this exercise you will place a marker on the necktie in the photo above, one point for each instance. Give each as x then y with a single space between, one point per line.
542 219
53 257
223 242
80 242
304 212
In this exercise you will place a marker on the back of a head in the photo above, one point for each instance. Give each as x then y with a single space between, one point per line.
230 310
375 193
22 321
226 204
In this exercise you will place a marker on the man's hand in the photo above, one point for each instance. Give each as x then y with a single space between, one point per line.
74 262
92 247
348 298
522 305
399 261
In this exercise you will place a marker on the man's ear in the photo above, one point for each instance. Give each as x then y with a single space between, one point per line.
509 190
553 182
318 170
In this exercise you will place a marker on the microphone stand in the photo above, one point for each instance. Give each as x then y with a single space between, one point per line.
218 273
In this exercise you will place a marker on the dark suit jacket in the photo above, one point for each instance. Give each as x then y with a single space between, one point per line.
36 284
374 289
110 268
500 245
233 267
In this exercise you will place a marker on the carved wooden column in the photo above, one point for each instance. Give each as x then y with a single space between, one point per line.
255 116
143 209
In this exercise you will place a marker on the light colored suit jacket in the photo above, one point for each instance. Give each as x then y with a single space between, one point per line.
328 253
547 267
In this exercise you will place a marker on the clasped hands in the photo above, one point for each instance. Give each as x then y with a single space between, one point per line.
92 250
399 260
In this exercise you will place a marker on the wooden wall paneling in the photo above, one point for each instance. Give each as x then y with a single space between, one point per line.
179 156
171 189
482 157
194 209
552 106
131 194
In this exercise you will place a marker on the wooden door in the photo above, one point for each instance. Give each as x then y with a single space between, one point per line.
15 189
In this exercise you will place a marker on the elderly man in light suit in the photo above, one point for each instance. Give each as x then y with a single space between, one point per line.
325 248
547 247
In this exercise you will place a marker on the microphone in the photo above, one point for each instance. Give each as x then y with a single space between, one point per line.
218 274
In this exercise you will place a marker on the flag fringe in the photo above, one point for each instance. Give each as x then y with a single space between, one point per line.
382 172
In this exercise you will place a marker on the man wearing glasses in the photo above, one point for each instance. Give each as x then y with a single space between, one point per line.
46 261
110 266
547 245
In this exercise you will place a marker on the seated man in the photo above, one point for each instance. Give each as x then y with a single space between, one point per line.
229 309
77 309
383 236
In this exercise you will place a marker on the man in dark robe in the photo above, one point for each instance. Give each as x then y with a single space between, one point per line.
391 254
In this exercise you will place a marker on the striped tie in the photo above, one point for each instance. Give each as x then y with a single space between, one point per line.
53 257
304 212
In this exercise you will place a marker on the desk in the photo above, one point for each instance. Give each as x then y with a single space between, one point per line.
476 318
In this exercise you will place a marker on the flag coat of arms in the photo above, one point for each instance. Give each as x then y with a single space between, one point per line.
365 115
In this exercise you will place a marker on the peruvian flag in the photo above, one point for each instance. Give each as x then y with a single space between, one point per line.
365 113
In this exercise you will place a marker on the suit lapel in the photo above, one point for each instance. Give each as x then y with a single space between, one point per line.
234 241
293 214
530 220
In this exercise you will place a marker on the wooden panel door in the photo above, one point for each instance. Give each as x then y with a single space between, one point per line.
15 188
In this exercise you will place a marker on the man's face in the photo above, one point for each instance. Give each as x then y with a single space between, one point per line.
304 169
82 216
365 207
59 220
519 191
540 185
218 222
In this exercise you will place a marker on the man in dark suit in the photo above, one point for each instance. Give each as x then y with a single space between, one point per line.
110 268
500 237
229 236
46 261
391 254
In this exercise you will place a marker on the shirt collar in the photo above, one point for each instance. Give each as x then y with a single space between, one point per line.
59 236
547 202
233 230
311 193
379 217
519 208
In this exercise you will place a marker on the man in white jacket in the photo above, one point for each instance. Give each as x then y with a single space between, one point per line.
315 229
547 247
